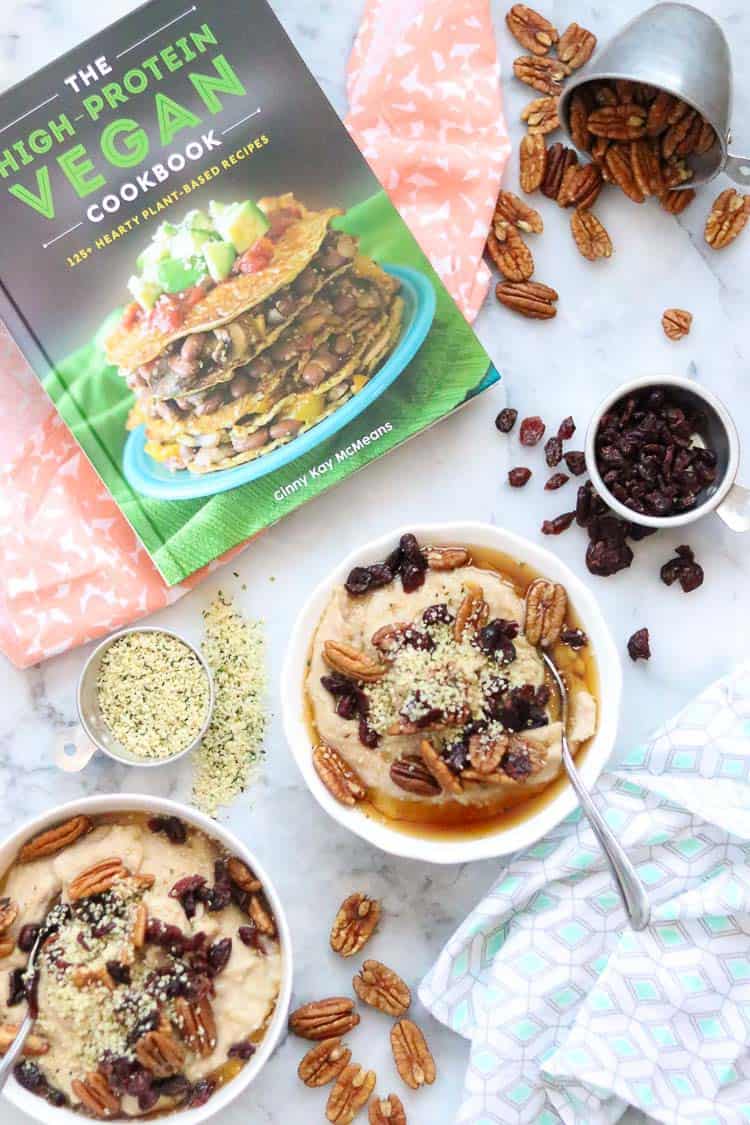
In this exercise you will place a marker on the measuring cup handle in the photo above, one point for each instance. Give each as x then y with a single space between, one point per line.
73 749
738 169
734 509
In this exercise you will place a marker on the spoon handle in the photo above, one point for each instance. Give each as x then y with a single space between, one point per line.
9 1058
632 892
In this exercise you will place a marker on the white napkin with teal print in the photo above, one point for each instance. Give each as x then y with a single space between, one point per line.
571 1015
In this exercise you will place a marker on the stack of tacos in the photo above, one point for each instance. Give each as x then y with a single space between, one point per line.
257 358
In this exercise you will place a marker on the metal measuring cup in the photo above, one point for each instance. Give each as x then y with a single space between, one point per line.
680 49
77 745
730 501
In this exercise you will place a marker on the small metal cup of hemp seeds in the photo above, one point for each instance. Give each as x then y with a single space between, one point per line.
145 696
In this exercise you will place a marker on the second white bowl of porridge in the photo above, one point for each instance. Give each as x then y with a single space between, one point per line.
164 985
415 698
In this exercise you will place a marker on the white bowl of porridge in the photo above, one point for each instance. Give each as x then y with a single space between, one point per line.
165 965
415 697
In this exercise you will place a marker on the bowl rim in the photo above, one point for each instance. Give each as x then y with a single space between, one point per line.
693 387
41 1110
505 840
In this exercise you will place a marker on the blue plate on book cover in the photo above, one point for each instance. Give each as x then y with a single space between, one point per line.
151 479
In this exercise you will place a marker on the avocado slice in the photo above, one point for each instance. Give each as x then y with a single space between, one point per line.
173 275
242 224
219 258
145 292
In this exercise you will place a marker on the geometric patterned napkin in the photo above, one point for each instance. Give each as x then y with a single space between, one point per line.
572 1016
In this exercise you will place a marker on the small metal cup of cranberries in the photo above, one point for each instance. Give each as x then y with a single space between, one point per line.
663 451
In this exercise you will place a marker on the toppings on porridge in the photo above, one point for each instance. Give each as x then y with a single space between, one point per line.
146 994
433 692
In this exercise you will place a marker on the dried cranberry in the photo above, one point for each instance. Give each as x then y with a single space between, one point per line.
201 1092
605 557
412 577
28 1075
553 451
249 936
219 953
683 569
574 638
506 420
148 1097
519 476
16 987
411 551
347 707
438 615
120 973
523 709
358 582
337 684
516 763
558 524
380 575
176 1087
367 736
171 826
496 638
186 891
638 532
456 754
27 936
243 1050
638 645
575 459
566 429
557 480
532 430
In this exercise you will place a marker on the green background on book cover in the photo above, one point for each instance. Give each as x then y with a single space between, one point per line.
183 535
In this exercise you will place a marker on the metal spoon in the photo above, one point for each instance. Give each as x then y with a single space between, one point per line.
632 892
48 927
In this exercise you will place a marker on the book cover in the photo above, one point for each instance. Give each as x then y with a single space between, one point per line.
212 285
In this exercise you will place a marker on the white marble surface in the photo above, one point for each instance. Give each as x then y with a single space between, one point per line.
607 330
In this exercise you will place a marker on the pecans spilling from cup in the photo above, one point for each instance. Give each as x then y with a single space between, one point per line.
329 1060
639 138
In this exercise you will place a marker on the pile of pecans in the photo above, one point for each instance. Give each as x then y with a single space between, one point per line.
326 1021
639 138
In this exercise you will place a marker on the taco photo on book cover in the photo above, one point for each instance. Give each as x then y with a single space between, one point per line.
249 324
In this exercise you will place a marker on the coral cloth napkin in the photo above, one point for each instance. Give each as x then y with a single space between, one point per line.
425 107
571 1015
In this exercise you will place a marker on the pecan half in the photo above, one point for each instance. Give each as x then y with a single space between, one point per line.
262 918
476 778
576 46
559 159
324 1019
580 187
706 139
590 235
485 754
439 768
645 163
512 209
85 977
510 253
676 201
354 924
33 1047
618 122
412 1056
196 1024
53 840
138 936
542 74
541 116
95 1095
387 1111
676 323
664 110
523 760
352 662
532 161
324 1062
8 913
382 988
546 606
411 774
680 138
242 876
529 298
446 558
352 1091
7 945
578 115
727 219
160 1053
618 166
604 94
473 611
531 29
340 780
675 172
97 879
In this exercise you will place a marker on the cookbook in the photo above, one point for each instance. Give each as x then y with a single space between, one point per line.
210 282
